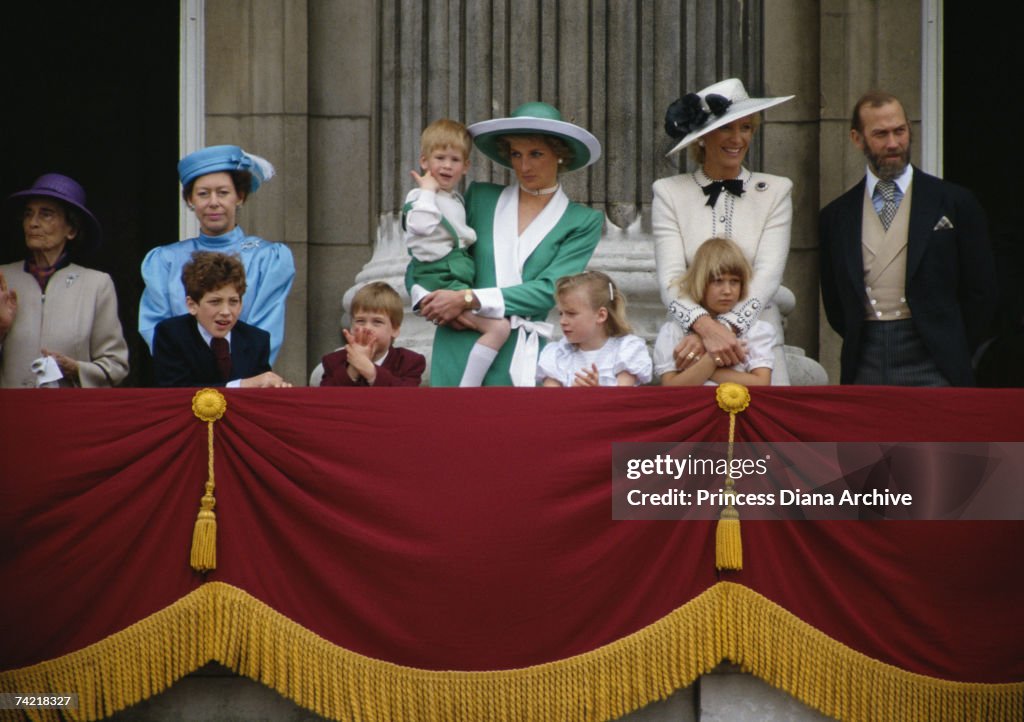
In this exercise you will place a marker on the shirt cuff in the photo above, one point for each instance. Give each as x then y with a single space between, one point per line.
686 316
236 384
492 302
416 295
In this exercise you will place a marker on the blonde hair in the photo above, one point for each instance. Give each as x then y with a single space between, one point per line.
444 133
601 292
697 154
715 258
379 297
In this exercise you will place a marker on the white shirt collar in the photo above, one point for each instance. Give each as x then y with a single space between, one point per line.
902 181
208 337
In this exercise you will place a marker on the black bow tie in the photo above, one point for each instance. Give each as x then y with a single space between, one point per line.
715 188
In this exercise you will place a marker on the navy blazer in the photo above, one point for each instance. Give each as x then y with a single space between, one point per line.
950 283
182 357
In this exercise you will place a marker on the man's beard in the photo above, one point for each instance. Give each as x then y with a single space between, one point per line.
887 168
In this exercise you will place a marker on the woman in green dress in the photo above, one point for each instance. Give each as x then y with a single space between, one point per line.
529 234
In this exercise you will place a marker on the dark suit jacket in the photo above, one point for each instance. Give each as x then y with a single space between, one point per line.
401 367
181 356
950 284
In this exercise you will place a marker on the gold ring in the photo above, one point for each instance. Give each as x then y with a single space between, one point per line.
690 355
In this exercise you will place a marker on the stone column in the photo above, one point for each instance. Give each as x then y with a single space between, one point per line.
343 166
256 55
790 143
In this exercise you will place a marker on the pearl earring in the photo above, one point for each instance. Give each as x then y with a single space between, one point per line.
559 161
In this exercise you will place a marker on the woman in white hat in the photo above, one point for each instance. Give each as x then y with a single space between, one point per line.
529 235
721 199
215 183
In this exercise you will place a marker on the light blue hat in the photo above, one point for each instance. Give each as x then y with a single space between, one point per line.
219 158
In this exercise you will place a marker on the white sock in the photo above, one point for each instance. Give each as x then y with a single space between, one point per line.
480 359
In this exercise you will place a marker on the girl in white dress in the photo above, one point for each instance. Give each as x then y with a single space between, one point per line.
597 348
720 277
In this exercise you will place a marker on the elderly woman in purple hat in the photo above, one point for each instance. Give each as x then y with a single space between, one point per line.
720 198
75 338
216 182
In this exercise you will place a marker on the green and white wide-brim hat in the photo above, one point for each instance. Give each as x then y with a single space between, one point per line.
536 119
697 114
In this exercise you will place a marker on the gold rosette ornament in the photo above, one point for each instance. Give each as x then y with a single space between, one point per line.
208 405
732 398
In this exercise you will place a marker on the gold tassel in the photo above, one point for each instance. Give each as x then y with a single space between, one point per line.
732 398
728 542
204 534
208 405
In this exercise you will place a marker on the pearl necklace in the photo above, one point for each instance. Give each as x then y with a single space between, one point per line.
542 191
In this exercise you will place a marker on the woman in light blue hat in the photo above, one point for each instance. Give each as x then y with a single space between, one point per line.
216 182
529 234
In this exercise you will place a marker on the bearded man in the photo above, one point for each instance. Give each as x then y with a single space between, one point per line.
907 273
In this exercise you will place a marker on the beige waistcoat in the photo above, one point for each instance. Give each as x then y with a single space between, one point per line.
885 262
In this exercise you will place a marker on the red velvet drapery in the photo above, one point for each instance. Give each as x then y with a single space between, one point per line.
471 529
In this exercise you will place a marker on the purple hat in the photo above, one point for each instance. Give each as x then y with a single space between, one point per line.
55 185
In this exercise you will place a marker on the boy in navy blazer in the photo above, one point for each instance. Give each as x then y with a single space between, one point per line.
209 346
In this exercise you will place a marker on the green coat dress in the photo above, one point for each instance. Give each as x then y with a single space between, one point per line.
565 250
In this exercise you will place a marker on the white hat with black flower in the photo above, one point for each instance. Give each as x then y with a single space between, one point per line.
697 114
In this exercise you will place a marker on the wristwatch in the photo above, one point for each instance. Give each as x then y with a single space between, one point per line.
468 298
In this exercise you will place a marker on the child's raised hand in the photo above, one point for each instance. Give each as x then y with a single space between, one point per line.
426 181
359 342
588 377
360 347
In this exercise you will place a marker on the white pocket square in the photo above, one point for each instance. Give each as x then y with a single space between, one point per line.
943 224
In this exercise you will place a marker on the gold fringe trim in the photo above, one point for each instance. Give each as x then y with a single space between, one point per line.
222 623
